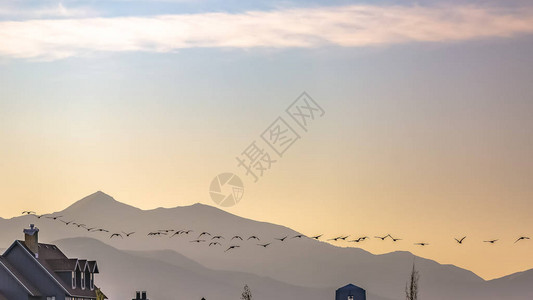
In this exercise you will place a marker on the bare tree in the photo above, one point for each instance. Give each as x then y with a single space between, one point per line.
246 294
411 288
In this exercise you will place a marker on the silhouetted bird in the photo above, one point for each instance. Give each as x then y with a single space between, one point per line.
116 234
421 244
491 241
282 239
198 241
101 230
232 247
66 223
299 236
204 233
28 212
54 218
187 231
460 241
335 239
128 234
89 229
79 225
236 237
382 237
264 245
395 240
215 244
39 216
521 238
217 237
253 237
355 241
317 237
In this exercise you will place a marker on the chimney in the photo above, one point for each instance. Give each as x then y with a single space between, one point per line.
141 295
31 239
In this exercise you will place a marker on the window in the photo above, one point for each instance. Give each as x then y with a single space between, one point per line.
51 298
82 280
91 281
73 279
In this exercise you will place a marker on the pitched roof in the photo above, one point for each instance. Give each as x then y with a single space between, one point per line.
349 287
18 277
48 252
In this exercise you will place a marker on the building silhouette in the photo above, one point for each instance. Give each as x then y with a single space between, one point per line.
37 271
350 292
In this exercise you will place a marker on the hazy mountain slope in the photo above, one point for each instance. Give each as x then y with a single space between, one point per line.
123 273
303 262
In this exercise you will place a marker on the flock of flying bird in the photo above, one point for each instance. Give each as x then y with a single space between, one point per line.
214 240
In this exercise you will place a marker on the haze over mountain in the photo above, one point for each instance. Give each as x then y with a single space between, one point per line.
299 268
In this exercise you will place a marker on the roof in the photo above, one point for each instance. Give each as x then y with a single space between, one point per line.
21 279
2 297
50 259
350 287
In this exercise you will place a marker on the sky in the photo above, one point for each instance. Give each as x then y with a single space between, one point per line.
426 131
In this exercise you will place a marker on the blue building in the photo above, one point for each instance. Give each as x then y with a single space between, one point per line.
36 271
350 292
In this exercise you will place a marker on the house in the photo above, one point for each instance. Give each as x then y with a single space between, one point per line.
350 292
36 271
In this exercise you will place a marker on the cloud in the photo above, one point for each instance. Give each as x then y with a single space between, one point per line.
346 26
57 11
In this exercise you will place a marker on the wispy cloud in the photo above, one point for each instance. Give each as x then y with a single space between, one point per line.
347 26
48 11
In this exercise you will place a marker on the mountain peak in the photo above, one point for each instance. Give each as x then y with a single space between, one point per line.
98 202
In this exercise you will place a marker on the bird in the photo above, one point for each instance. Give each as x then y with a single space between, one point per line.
116 234
198 241
317 237
421 244
491 241
232 247
264 245
204 233
364 238
382 237
176 233
101 230
54 218
66 223
521 238
39 216
218 237
335 239
128 234
460 241
215 244
394 239
28 212
299 236
356 240
79 225
282 239
187 231
89 229
236 237
253 237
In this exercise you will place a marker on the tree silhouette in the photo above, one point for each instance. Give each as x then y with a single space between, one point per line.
246 294
411 288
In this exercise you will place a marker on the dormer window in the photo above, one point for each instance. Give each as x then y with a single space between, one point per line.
82 280
73 279
91 281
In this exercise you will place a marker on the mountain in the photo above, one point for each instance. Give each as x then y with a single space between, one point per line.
169 275
301 262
